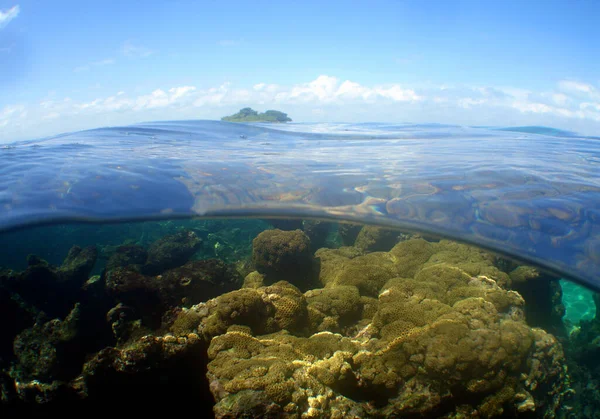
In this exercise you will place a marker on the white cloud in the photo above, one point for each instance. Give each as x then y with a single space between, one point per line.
131 50
560 98
8 15
325 98
353 90
397 93
179 92
574 86
469 102
532 107
322 88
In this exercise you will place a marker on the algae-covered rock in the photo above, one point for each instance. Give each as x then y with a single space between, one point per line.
151 296
367 272
171 251
77 266
426 329
333 309
284 256
51 289
468 352
254 280
416 336
470 259
264 310
197 281
44 350
132 256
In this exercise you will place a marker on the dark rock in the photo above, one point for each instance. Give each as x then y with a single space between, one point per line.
77 266
151 296
127 255
198 281
318 232
171 251
348 233
49 351
376 239
51 289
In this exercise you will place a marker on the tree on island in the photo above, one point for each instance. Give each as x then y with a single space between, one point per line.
250 115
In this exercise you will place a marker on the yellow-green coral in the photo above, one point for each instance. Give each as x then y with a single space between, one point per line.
333 308
263 310
254 280
187 321
283 255
425 324
290 306
523 274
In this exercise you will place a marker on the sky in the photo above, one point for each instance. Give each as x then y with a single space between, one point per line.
72 65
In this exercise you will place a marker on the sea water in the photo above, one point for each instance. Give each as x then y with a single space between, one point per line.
302 270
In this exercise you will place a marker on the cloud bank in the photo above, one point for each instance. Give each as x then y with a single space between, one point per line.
571 105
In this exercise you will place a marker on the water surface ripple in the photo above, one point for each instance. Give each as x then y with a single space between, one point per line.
532 195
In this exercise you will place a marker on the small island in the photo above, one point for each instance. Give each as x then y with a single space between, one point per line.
250 115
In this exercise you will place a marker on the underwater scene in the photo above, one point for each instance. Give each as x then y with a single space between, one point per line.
302 271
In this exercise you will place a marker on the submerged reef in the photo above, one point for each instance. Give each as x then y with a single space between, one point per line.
383 324
418 330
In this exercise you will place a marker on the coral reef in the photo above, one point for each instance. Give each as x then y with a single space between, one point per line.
264 310
389 325
132 256
150 296
53 289
283 256
444 339
171 251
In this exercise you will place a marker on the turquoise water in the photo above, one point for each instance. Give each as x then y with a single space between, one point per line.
579 304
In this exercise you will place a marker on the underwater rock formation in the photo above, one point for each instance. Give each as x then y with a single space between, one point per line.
52 289
151 296
131 256
442 338
376 239
424 329
263 310
171 251
283 255
45 352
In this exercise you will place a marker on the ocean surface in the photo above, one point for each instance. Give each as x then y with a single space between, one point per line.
302 270
528 192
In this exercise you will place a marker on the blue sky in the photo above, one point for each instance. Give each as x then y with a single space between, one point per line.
68 65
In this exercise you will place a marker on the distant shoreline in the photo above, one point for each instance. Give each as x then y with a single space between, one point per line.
250 115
